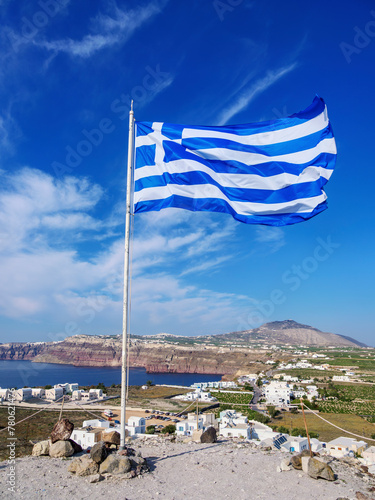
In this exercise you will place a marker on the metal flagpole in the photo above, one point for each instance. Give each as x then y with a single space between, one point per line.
125 311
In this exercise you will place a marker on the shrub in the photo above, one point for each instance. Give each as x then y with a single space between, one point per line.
169 429
150 429
272 411
48 386
282 429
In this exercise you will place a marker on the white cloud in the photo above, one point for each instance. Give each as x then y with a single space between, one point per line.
108 30
47 281
244 97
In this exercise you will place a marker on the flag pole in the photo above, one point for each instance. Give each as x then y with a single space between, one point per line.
125 311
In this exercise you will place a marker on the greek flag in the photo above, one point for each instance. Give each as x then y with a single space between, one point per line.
269 173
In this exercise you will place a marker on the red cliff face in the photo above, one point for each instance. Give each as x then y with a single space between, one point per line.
163 358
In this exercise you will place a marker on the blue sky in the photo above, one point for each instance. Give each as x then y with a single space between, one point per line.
68 72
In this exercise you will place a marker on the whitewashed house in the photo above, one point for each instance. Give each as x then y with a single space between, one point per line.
136 425
187 427
77 395
259 431
342 446
95 394
54 394
99 422
278 393
38 392
23 394
317 446
369 455
233 424
341 378
87 437
295 444
199 395
4 394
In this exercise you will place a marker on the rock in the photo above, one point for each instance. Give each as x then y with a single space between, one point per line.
361 496
112 437
115 464
135 461
196 437
285 465
61 449
41 448
317 469
95 478
209 435
296 462
62 430
76 447
83 466
99 452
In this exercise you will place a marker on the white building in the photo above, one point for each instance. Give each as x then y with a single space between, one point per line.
67 387
23 394
369 455
77 395
295 444
54 394
99 422
233 424
278 393
87 437
38 392
343 446
95 394
4 394
136 425
199 395
341 378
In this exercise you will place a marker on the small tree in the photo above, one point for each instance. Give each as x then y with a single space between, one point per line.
169 429
48 386
272 412
149 383
282 429
150 429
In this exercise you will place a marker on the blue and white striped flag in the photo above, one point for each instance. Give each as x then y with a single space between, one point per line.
269 173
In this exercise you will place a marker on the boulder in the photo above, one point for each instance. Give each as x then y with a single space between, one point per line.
76 447
83 466
317 469
115 464
99 452
285 465
209 436
41 448
61 449
95 478
112 437
296 460
196 437
62 430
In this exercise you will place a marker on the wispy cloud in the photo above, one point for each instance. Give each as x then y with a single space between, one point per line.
244 96
273 238
108 30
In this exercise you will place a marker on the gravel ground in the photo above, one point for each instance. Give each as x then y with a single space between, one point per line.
180 470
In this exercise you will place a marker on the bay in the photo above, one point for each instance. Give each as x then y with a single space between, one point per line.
26 373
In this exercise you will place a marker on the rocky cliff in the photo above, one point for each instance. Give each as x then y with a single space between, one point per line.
85 350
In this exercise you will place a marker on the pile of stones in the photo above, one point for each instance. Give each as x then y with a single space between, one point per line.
59 445
104 462
314 466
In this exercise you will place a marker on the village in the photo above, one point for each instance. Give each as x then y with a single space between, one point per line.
280 393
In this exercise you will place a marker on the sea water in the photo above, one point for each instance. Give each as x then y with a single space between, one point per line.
28 374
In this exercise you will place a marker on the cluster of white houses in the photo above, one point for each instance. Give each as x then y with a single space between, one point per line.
280 393
56 393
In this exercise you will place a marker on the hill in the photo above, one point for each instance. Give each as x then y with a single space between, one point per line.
293 333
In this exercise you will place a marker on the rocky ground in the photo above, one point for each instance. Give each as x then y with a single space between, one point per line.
177 470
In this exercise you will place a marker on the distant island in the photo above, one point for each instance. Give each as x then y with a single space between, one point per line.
231 354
